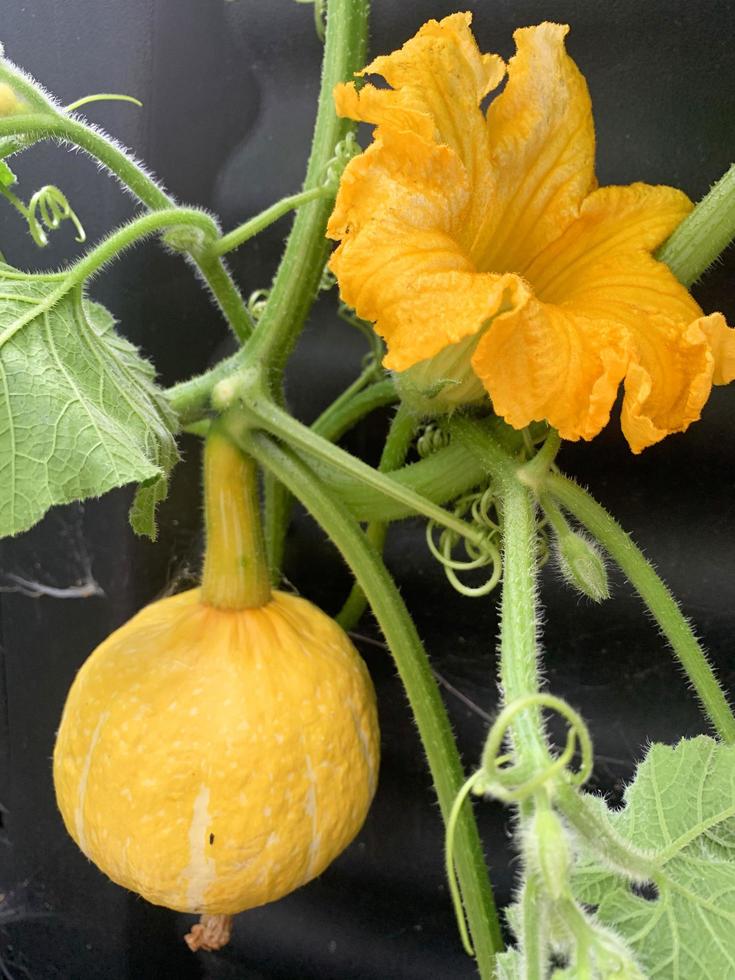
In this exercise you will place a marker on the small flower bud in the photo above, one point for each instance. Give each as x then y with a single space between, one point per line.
548 852
582 566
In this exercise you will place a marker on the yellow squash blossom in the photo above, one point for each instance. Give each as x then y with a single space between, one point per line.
482 249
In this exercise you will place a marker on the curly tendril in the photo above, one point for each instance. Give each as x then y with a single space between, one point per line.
513 783
481 508
500 778
46 210
431 439
257 302
344 151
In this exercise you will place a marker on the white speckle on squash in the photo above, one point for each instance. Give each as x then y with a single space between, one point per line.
82 788
201 870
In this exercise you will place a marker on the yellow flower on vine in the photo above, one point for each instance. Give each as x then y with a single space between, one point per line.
485 254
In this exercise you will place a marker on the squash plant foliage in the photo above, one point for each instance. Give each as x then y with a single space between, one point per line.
505 298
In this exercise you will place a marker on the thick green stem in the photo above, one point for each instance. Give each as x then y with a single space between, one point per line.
346 410
655 595
415 671
214 273
299 274
477 437
259 411
706 232
519 675
443 476
297 280
25 88
397 444
340 418
533 930
341 415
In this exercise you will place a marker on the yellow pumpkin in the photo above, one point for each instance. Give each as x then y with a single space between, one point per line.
213 757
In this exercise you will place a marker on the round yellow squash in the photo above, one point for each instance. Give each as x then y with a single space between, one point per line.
216 759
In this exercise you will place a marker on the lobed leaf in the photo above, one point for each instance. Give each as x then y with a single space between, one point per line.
681 806
80 412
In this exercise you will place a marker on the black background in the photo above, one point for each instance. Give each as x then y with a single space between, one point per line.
229 94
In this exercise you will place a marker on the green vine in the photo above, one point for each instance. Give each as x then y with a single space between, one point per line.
493 499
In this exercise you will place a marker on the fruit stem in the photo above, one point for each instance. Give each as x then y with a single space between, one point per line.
235 567
210 933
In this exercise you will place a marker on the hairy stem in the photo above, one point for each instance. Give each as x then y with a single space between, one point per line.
519 675
244 232
297 280
588 819
415 672
655 595
296 283
108 249
703 234
260 412
443 476
397 444
191 399
132 175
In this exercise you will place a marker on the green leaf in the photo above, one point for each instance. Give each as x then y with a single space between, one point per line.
681 806
79 409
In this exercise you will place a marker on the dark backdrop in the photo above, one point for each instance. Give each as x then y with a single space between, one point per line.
229 91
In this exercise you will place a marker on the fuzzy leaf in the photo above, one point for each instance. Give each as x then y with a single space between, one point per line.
79 409
681 806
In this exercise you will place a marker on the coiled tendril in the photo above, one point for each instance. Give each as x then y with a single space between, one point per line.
481 508
257 301
513 782
431 439
344 151
47 209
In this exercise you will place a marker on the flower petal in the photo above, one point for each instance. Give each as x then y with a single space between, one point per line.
541 361
438 78
404 179
542 147
667 383
601 268
604 257
721 339
399 264
417 287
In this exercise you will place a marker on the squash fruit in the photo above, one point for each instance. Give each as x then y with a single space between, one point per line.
221 748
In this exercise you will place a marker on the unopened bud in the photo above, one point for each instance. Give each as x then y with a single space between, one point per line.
548 852
582 566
